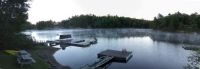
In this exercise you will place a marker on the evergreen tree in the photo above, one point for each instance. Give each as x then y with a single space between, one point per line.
13 15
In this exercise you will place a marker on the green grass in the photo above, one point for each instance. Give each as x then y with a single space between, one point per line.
8 61
192 48
10 52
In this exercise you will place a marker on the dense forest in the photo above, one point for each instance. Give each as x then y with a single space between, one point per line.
92 21
13 20
45 24
172 22
177 22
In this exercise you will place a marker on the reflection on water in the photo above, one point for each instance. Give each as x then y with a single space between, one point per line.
151 49
189 38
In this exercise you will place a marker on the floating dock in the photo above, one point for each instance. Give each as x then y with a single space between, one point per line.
109 56
81 43
67 40
73 42
119 56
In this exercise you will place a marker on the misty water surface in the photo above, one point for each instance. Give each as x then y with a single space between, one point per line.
151 49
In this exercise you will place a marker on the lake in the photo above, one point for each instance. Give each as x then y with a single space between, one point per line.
151 49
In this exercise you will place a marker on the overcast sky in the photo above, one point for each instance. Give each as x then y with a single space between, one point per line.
58 10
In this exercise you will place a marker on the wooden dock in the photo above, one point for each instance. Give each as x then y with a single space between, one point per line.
73 42
119 56
109 56
98 64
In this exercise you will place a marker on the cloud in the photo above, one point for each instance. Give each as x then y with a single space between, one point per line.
147 9
53 10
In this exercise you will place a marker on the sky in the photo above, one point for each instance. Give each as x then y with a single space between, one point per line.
57 10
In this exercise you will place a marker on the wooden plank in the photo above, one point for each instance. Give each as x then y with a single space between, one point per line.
107 56
103 61
119 56
98 63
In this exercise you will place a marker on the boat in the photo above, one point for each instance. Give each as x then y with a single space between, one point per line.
67 40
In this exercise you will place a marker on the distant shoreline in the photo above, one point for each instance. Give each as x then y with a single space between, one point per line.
179 31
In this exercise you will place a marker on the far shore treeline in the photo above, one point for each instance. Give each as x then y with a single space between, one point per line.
172 22
14 15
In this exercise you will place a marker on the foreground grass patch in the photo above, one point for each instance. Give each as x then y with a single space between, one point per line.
8 61
10 52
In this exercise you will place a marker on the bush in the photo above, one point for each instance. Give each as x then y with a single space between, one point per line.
15 42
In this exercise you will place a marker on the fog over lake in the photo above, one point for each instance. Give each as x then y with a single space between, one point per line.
151 49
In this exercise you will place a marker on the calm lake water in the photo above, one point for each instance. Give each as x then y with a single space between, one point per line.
151 49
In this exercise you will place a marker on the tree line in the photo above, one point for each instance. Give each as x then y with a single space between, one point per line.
177 22
13 20
92 21
172 22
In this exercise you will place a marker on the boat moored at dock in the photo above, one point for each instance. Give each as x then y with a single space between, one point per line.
69 41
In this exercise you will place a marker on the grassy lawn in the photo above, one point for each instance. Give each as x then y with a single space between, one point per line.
8 61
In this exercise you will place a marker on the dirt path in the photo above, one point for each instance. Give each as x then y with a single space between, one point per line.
46 53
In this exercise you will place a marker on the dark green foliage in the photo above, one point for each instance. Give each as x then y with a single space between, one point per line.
45 24
92 21
13 16
172 22
177 22
9 62
18 41
27 26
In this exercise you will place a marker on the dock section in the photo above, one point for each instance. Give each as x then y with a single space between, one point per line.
73 42
109 56
98 64
121 56
102 61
